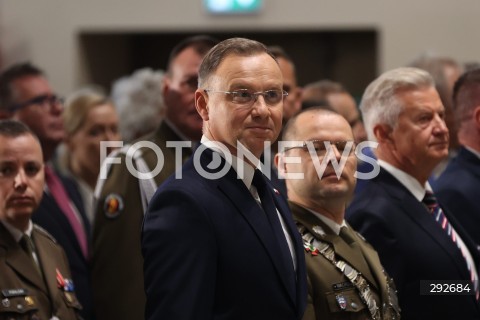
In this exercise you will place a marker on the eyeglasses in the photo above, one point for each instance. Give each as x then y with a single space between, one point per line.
247 97
39 100
321 147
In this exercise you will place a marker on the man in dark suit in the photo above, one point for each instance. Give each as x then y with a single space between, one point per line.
26 95
345 277
122 197
35 280
218 241
458 186
419 242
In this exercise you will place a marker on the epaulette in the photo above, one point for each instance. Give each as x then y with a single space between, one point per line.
44 232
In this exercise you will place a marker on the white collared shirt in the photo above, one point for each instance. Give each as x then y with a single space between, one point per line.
329 222
18 234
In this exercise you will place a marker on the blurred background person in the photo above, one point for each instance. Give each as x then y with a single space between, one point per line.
26 95
291 106
35 278
293 102
458 186
123 198
337 97
139 103
89 118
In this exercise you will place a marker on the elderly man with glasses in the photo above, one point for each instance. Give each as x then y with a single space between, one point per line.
27 96
345 277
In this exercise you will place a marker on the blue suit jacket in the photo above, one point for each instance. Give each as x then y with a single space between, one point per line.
458 189
209 252
413 247
50 217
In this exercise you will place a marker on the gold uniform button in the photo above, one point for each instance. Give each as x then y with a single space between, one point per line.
29 301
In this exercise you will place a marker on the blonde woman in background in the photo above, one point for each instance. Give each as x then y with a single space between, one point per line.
90 118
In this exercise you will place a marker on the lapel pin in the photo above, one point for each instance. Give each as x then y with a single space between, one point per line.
341 301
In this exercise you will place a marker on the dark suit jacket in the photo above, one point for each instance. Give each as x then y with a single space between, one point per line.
117 259
50 217
210 253
413 247
323 275
458 190
20 278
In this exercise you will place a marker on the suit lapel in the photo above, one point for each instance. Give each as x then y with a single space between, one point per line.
284 209
241 198
19 261
50 206
71 187
421 217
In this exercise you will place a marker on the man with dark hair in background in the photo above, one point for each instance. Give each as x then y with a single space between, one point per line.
291 105
458 187
293 102
340 100
122 198
26 95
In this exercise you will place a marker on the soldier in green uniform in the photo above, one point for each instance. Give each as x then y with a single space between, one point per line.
345 277
35 278
122 198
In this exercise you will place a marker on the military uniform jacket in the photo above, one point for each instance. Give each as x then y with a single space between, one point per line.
24 294
331 295
117 260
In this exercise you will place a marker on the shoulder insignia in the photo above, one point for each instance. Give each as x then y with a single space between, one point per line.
113 205
44 232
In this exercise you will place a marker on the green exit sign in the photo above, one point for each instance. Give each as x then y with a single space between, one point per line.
233 6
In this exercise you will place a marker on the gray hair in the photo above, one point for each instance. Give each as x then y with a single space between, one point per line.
379 103
139 102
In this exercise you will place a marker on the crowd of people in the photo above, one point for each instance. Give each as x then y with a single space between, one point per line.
231 192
